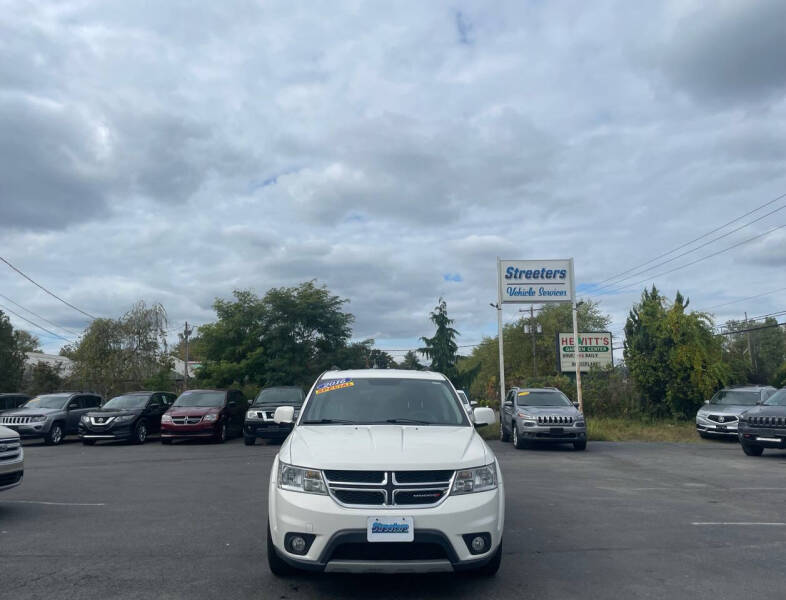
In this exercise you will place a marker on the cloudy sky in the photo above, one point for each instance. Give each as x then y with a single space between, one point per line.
391 151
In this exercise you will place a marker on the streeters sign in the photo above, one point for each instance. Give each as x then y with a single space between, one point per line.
594 351
535 281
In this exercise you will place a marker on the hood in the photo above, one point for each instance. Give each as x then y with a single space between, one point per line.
570 411
26 412
385 447
766 411
183 411
6 433
112 412
725 409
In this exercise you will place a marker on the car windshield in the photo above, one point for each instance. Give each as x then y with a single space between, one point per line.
205 399
130 401
50 401
350 401
525 398
777 399
736 398
279 396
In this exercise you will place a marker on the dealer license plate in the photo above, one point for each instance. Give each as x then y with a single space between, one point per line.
390 529
721 428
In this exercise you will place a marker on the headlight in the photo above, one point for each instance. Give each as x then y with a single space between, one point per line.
481 479
210 418
84 418
252 414
579 423
38 418
124 418
297 479
522 415
166 419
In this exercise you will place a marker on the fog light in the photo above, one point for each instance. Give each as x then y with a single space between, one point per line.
478 544
298 544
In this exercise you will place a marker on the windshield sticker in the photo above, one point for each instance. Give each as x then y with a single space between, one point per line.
334 384
523 393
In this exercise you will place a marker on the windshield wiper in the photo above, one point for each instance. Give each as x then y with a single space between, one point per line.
407 422
327 422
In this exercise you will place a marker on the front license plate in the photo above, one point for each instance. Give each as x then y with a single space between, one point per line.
769 439
556 430
721 428
390 529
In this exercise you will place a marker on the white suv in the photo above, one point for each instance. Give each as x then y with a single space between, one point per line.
384 472
12 459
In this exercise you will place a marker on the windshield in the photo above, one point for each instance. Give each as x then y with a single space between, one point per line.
51 401
205 399
735 398
125 402
542 399
777 399
293 396
380 401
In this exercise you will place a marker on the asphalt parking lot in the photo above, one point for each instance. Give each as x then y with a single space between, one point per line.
622 520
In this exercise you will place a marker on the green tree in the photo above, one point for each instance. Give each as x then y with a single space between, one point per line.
12 359
27 342
43 378
441 348
411 362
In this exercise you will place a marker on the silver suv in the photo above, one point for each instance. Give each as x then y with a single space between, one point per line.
12 459
721 414
50 416
531 415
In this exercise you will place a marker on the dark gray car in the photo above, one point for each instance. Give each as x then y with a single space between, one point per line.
50 416
531 415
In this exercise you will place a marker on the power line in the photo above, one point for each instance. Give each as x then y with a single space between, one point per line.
695 239
46 290
755 237
35 324
744 299
39 316
752 329
673 258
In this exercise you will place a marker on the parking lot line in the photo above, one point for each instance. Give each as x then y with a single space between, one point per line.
53 503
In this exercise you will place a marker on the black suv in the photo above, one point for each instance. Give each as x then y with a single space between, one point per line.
764 426
129 417
9 401
259 418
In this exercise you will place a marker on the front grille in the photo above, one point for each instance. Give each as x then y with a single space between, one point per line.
15 420
389 551
10 478
186 420
10 449
389 488
722 418
555 419
767 421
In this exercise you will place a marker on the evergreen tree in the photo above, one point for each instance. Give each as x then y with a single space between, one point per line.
442 347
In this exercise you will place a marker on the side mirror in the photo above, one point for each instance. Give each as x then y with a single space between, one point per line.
284 414
706 402
472 403
483 415
231 404
576 404
72 406
508 402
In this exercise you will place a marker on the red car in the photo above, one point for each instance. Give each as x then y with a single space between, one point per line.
212 414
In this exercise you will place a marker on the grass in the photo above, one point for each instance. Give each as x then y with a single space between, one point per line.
626 430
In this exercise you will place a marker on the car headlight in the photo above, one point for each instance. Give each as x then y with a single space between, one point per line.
297 479
468 481
38 418
166 419
522 415
84 418
124 418
252 414
210 418
579 423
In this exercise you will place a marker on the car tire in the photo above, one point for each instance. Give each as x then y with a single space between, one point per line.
221 434
249 441
517 441
140 433
55 435
504 436
166 441
580 445
277 565
703 435
89 442
492 566
751 450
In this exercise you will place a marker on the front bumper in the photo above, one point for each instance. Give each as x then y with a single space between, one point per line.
266 429
720 429
38 429
12 470
121 432
763 436
200 430
332 525
553 434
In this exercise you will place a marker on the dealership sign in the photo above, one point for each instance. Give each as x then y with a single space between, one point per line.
594 351
535 281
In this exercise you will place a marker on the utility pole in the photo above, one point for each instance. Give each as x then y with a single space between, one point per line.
186 332
532 327
750 351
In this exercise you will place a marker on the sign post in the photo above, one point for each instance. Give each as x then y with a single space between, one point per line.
536 281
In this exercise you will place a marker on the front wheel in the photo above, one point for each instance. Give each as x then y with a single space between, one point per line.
750 450
249 441
140 433
55 435
582 445
504 436
517 441
491 567
277 566
221 435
